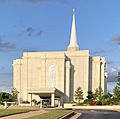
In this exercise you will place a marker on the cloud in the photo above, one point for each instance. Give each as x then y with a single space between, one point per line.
6 46
30 50
34 2
4 88
39 33
112 74
5 81
116 39
30 31
97 52
109 62
112 62
41 1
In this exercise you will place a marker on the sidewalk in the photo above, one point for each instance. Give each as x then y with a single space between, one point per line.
24 115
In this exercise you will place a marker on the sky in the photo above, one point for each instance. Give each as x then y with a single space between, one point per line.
45 25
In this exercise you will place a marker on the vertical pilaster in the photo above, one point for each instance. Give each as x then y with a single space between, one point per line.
67 96
52 100
103 82
17 78
61 100
31 99
41 103
96 73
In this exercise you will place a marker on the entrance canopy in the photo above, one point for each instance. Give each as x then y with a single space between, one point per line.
45 91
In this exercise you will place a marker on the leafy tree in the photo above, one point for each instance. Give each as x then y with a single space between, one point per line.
34 101
106 99
116 90
78 94
5 97
15 95
1 96
90 95
90 98
98 94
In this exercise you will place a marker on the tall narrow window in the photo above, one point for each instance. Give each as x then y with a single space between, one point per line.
52 76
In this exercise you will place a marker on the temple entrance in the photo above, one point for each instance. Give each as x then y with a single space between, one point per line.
46 102
50 97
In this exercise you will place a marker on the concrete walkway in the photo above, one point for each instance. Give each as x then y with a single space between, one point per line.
24 115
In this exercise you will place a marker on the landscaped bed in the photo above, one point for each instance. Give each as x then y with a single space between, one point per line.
7 112
52 114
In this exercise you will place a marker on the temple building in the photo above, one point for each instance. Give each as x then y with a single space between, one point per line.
54 76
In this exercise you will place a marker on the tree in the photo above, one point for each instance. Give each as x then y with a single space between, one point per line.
15 95
90 98
90 95
78 94
106 99
34 101
98 94
116 90
5 96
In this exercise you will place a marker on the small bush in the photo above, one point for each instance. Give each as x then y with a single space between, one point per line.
1 103
93 103
99 103
86 104
88 101
73 102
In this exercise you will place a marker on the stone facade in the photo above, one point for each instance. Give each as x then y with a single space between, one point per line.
56 75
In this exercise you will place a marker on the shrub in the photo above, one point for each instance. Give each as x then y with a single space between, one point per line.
79 94
99 102
88 101
1 103
93 103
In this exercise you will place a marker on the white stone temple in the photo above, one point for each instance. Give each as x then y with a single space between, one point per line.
54 76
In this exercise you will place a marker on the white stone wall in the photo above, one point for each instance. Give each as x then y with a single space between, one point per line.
98 73
80 75
72 69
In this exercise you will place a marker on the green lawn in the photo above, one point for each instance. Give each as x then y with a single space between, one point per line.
7 112
52 114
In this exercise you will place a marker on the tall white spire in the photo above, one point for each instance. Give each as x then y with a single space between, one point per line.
73 46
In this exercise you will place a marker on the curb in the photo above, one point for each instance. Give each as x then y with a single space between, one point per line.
67 116
76 116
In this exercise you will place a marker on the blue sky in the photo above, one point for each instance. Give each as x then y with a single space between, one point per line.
44 25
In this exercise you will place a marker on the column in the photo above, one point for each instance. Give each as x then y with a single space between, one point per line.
61 101
5 105
103 80
18 99
52 100
58 102
41 103
67 86
31 99
96 73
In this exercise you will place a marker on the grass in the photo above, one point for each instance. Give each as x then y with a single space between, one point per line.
8 112
53 114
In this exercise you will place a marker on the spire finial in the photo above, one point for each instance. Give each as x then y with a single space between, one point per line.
73 46
73 10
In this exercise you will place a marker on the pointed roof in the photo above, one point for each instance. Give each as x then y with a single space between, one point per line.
73 46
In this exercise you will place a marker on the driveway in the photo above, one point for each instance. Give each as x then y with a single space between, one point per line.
99 114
